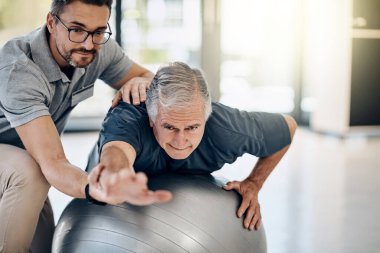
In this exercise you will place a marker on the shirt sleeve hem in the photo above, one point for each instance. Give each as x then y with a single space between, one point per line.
29 117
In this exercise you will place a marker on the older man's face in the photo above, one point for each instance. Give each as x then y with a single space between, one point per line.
179 132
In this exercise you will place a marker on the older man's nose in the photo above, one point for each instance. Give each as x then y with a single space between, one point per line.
180 140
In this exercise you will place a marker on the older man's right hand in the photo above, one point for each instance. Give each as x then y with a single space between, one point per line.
115 187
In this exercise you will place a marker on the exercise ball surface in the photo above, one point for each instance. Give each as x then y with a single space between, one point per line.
201 217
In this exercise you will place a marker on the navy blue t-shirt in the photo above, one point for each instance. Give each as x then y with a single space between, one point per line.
229 133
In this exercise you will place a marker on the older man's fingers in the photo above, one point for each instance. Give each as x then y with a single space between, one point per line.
256 220
94 175
163 196
150 197
249 215
258 224
141 178
232 185
243 207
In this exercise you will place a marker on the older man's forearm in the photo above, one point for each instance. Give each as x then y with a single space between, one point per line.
265 165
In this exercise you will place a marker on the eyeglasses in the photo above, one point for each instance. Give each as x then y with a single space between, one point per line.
79 35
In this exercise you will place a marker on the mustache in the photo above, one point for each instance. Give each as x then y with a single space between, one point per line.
83 50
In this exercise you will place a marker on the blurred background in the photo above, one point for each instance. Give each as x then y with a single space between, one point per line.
317 60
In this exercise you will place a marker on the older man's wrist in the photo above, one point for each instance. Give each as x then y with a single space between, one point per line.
91 199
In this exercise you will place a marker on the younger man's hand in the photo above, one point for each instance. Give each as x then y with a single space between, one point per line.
135 88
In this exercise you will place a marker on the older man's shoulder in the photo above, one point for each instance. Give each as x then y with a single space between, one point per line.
221 113
124 109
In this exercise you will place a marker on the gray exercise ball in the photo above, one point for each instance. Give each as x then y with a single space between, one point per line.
200 218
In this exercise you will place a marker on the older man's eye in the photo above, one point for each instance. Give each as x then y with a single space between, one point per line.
169 128
193 128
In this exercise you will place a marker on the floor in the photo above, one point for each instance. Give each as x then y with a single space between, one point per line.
322 197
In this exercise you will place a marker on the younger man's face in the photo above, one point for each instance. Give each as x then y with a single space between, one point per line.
80 16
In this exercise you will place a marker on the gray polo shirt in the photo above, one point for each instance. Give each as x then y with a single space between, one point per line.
32 84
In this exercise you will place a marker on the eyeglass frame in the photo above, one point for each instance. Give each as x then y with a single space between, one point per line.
88 33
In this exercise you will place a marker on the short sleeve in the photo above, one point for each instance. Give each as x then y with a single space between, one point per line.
116 61
235 132
275 132
22 94
122 123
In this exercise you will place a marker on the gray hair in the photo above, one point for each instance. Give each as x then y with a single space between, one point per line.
174 86
57 6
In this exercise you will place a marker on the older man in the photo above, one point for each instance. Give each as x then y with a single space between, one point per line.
179 129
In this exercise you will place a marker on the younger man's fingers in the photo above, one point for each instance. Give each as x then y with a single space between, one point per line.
118 96
142 92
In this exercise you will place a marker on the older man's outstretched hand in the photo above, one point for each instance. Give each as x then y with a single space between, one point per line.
115 187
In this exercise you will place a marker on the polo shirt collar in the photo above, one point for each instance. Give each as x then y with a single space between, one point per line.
42 56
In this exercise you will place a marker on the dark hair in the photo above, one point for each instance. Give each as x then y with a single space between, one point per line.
57 6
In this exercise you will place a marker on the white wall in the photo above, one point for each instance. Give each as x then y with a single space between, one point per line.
327 62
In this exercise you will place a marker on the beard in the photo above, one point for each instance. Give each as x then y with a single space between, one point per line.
83 61
76 62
